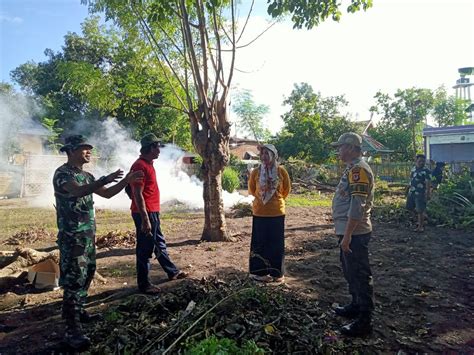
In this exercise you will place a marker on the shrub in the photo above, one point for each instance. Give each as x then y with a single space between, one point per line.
453 202
230 179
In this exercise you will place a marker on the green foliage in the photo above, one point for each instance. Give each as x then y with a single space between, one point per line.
105 72
309 14
230 179
448 110
403 117
54 132
453 203
223 346
311 124
250 116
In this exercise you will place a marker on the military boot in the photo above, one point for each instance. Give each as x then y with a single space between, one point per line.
74 337
350 310
86 317
360 327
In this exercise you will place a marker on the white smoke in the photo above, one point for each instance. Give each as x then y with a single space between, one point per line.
16 112
118 151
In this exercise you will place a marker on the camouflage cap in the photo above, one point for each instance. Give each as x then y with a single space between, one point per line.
149 139
73 142
348 138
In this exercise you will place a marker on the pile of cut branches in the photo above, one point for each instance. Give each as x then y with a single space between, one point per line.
117 238
30 236
274 319
240 210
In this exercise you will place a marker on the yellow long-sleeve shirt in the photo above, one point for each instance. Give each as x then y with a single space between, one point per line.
276 206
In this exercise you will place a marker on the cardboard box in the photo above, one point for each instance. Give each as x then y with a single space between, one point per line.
44 275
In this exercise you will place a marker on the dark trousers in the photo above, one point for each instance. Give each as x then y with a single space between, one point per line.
149 244
356 269
267 247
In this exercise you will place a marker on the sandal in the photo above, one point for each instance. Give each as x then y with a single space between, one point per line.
278 280
265 278
180 275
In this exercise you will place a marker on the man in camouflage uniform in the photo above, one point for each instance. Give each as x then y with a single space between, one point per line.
351 208
419 191
73 188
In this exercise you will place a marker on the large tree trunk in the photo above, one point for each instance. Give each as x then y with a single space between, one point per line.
214 218
211 140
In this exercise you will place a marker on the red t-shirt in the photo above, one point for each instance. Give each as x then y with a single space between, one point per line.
151 192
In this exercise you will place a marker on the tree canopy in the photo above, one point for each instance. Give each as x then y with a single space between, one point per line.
250 116
104 72
311 124
403 116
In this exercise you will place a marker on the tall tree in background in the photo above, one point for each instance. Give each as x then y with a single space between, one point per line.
448 110
104 72
405 113
311 124
196 41
250 116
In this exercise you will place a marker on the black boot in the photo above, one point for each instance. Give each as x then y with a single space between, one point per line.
74 336
86 317
360 327
350 310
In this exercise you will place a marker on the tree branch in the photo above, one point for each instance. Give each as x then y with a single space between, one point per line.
246 21
151 38
231 70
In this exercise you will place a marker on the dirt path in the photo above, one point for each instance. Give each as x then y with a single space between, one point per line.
424 283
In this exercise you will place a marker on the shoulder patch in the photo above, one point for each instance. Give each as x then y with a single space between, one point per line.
359 181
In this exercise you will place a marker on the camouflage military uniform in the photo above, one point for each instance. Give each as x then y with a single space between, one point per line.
76 239
353 199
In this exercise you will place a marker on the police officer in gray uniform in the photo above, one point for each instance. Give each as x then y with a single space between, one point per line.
351 207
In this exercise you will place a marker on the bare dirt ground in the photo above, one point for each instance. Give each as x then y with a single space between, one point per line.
424 283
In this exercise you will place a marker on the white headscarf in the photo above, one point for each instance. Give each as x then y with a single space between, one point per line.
268 179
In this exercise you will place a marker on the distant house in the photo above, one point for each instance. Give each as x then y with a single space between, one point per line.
371 146
32 138
244 149
449 144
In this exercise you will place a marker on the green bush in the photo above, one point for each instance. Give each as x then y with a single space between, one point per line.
230 179
223 346
453 203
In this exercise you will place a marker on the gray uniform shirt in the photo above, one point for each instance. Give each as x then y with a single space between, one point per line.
354 198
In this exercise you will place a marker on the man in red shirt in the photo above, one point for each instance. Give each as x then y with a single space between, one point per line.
146 215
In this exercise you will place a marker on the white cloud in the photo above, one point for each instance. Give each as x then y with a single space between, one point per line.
9 19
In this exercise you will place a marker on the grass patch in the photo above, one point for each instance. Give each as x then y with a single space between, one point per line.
18 219
15 220
310 199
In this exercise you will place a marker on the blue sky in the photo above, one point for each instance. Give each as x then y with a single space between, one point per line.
28 27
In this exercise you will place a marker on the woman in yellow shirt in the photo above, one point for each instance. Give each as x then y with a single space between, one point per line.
270 185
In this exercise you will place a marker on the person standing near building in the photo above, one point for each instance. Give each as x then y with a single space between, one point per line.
146 216
73 189
437 174
419 191
351 207
270 185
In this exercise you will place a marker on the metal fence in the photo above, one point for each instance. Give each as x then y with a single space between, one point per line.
399 172
39 170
